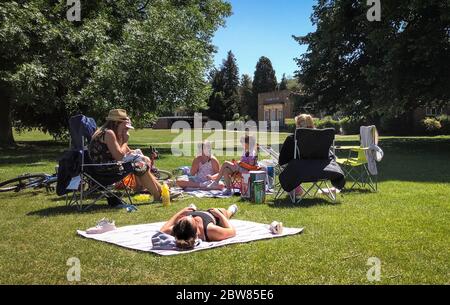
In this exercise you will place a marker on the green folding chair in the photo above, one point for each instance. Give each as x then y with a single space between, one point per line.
356 166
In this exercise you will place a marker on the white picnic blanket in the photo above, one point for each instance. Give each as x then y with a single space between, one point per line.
206 193
139 237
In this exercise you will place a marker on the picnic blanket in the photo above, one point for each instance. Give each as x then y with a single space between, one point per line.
148 238
206 193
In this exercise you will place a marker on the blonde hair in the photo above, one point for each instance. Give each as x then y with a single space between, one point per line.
304 121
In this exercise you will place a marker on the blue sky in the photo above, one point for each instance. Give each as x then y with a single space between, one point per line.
264 28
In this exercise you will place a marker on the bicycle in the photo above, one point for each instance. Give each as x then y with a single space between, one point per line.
28 181
160 175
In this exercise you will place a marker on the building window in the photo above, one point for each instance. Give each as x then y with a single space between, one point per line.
280 115
433 111
266 116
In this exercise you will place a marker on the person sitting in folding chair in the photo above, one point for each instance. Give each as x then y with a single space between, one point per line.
248 162
308 158
110 144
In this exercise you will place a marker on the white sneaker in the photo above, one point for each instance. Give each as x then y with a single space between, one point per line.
102 226
232 209
227 192
213 184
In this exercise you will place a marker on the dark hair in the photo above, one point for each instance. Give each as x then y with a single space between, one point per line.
185 234
247 139
113 125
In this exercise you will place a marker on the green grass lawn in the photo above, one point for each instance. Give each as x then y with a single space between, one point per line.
405 225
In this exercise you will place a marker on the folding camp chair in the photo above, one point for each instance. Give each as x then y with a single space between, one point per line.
307 159
88 182
362 169
274 157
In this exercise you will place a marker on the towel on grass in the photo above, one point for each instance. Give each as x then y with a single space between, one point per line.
206 194
148 238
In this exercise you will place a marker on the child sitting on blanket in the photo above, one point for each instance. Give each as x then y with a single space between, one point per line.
212 225
203 167
247 163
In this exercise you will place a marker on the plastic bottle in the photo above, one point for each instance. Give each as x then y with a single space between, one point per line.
165 194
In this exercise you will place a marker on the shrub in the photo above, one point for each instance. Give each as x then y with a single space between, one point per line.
445 124
396 125
350 125
431 126
289 125
328 122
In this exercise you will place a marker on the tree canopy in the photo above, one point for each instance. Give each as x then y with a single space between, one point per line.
144 56
224 101
370 68
264 80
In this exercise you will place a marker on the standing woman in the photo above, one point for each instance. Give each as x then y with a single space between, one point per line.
110 144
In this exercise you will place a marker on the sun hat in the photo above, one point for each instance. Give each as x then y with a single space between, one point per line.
119 115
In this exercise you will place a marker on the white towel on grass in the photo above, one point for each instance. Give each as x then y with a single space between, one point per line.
139 237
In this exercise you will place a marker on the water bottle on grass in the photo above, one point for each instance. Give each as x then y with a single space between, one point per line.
165 195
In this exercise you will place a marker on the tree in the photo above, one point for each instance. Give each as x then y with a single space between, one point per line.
284 83
246 94
230 86
264 80
224 101
374 68
147 57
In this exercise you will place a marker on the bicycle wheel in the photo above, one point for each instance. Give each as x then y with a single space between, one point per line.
50 184
22 182
163 175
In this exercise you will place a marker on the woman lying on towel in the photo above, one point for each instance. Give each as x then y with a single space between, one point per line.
204 166
188 224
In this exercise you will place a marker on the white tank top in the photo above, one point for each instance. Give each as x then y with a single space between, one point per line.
204 169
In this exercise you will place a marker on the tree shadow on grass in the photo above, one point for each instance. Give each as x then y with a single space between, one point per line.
32 152
285 203
413 159
65 210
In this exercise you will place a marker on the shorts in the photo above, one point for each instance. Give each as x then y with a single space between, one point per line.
194 179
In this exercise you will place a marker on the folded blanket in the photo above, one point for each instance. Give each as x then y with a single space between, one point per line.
146 237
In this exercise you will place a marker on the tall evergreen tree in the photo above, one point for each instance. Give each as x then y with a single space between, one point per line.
224 100
246 94
283 83
230 72
264 80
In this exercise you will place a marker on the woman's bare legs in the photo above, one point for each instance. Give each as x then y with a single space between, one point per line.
227 167
185 184
190 184
225 212
149 182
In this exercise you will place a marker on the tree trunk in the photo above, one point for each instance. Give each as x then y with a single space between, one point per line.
6 135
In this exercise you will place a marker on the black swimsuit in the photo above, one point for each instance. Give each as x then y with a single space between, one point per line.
207 218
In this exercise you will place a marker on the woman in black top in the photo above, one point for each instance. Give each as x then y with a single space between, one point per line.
110 144
213 225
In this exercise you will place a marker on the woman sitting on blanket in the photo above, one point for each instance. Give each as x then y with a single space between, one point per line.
247 163
188 224
204 166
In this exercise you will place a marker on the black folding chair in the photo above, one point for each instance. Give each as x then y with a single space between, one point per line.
307 158
83 182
